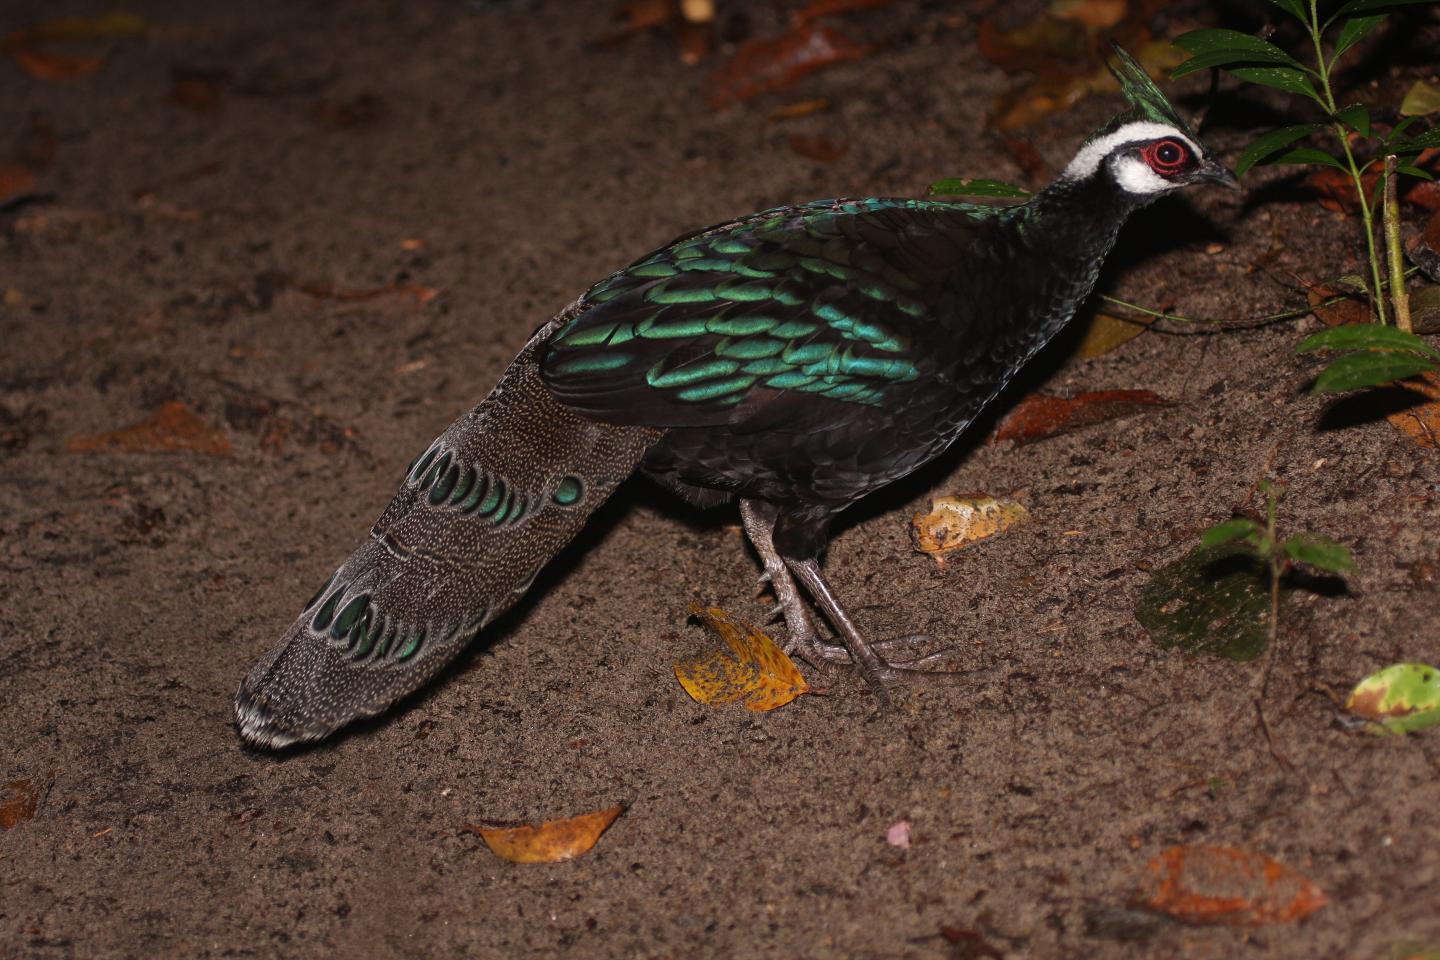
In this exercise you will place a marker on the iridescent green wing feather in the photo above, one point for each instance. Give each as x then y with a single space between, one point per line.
828 298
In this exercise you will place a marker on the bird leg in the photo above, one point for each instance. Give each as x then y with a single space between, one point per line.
802 636
758 518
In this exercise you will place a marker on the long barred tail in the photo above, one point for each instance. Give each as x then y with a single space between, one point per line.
501 491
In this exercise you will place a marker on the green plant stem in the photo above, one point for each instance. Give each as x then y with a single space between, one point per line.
1399 296
1323 68
1221 325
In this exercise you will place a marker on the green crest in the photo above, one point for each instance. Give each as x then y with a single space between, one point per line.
1146 100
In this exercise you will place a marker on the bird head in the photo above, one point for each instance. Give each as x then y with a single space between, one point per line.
1148 150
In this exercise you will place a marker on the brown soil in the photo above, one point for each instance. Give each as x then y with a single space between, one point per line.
168 268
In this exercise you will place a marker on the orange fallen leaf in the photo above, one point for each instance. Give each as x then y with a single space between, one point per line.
1226 885
1095 14
1421 422
1039 415
44 65
755 671
550 842
772 63
171 429
955 522
20 804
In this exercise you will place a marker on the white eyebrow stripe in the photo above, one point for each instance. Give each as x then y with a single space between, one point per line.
1087 161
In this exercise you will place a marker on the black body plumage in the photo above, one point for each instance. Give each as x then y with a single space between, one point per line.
796 359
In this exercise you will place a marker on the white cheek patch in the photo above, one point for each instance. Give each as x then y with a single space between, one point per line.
1135 176
1087 161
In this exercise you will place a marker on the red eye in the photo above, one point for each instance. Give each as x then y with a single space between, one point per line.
1166 157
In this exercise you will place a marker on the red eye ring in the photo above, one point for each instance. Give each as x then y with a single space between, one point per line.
1166 157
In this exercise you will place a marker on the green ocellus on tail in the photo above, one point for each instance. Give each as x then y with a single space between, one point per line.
795 359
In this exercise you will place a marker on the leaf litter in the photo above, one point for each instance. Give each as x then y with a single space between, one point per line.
754 671
552 841
1231 886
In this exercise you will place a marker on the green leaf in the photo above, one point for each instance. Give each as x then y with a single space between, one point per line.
1303 155
1426 140
1369 369
1370 6
1226 531
969 187
1296 8
1234 44
1402 698
1320 552
1353 32
1272 142
1400 128
1423 97
1281 78
1215 58
1356 117
1366 336
1413 171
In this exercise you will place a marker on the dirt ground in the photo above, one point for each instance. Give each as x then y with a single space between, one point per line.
493 155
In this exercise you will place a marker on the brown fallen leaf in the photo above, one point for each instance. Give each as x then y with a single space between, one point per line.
1039 415
173 428
817 148
773 63
20 803
15 181
1226 885
956 522
550 842
44 65
755 670
1339 313
1107 332
816 9
1421 423
422 294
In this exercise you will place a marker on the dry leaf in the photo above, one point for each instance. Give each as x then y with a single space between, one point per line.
755 671
819 149
1226 885
171 429
422 295
548 842
828 8
1421 423
43 65
15 180
1095 14
1039 415
1423 97
1107 332
955 522
772 63
801 109
20 803
1341 312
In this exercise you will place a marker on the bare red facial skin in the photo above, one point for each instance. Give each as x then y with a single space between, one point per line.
1166 157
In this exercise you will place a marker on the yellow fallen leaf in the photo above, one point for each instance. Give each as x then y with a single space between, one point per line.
548 842
1420 99
758 673
1105 333
955 522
